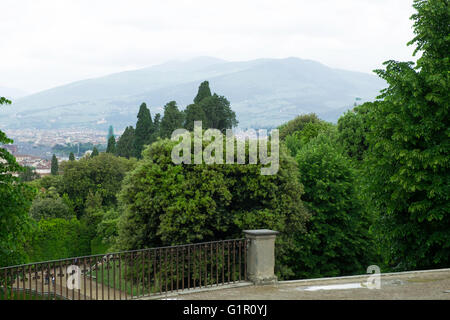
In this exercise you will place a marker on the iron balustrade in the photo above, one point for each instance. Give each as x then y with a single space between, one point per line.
129 274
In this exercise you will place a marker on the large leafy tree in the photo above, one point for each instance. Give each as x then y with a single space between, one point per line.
173 119
408 160
15 201
102 174
168 204
144 130
297 124
353 127
338 241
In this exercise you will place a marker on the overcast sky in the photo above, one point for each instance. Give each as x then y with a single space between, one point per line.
46 43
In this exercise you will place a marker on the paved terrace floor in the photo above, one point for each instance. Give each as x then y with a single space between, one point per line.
431 284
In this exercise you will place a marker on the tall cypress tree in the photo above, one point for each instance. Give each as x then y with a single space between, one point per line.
203 92
173 119
54 166
111 148
71 157
144 130
156 127
125 144
110 132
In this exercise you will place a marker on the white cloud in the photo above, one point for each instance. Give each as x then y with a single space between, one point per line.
46 43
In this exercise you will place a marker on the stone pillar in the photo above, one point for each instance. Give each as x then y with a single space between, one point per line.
261 256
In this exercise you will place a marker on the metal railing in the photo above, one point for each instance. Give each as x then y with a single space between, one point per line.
129 274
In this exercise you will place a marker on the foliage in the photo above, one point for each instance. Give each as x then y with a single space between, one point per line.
50 207
218 112
71 157
125 143
310 130
168 204
203 92
28 174
107 228
353 128
57 239
111 148
54 166
408 159
102 174
194 112
337 242
95 150
297 124
173 119
144 130
15 201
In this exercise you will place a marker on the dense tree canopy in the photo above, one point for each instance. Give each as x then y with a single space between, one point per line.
194 112
102 174
144 130
111 148
168 204
173 119
353 127
408 158
15 201
125 144
218 112
297 124
337 242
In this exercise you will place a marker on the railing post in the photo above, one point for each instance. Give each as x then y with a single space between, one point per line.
261 256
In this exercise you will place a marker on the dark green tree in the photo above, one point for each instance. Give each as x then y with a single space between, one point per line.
203 92
95 151
338 241
172 119
168 204
102 174
353 127
157 127
409 147
111 148
144 130
194 112
71 157
297 124
54 166
110 132
218 113
125 144
15 201
28 174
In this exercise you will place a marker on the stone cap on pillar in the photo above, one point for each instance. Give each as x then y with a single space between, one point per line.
260 232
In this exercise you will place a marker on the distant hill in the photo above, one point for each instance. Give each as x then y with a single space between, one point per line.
263 92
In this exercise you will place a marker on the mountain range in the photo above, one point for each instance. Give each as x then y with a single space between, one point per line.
263 93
